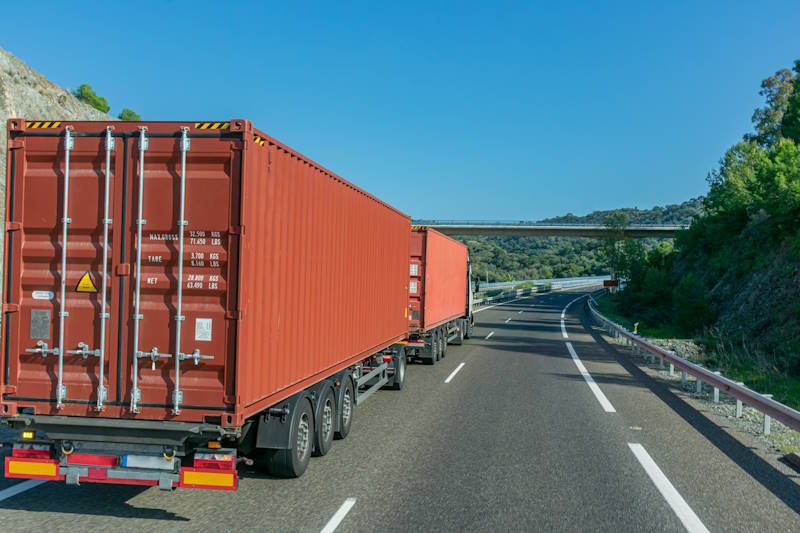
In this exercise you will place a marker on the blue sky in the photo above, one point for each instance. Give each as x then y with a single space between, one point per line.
503 110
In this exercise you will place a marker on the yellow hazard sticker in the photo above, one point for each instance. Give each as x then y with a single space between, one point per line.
86 284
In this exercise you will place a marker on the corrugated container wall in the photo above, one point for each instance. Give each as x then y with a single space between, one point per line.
289 272
438 279
324 273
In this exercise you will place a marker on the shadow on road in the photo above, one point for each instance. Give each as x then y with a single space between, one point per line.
767 475
87 499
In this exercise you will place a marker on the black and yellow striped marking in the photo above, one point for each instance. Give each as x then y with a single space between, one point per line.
259 140
43 125
212 125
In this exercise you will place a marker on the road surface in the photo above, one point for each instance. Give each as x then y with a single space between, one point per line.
514 431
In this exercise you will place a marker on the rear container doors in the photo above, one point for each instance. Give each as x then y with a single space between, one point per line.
416 283
35 362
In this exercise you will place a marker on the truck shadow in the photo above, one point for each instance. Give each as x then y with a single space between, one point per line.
87 499
775 481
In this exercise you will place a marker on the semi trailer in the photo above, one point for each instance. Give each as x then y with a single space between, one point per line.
181 297
439 294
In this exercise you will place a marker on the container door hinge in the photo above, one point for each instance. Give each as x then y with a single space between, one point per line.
16 144
123 269
236 230
10 308
234 315
13 225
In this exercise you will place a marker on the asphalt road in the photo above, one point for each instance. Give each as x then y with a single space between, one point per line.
515 439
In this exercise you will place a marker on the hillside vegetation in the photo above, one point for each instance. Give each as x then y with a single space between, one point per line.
517 258
732 279
25 93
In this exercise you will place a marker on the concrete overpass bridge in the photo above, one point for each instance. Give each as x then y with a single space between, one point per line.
484 227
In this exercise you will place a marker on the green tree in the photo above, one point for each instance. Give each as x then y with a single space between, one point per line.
610 243
692 311
86 94
790 122
129 114
777 90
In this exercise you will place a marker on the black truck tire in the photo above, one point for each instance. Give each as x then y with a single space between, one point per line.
432 355
347 410
399 377
326 423
294 461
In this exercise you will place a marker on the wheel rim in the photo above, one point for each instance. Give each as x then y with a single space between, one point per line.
302 436
346 407
327 419
401 370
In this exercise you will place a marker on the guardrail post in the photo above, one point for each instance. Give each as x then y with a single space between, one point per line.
716 390
660 363
739 403
671 369
683 378
767 418
699 389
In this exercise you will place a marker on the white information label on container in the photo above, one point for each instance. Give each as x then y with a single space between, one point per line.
202 329
43 295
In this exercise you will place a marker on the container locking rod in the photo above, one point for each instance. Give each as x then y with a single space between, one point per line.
101 388
61 389
136 394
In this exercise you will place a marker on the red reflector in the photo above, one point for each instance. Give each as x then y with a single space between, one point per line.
91 459
387 358
29 453
214 465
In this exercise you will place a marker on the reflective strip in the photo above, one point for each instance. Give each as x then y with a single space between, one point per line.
212 125
208 479
32 468
42 124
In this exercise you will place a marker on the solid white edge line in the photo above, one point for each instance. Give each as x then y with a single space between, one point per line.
684 513
337 518
495 305
489 335
564 312
607 407
454 372
13 490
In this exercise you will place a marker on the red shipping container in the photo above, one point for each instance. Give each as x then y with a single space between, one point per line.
290 273
438 279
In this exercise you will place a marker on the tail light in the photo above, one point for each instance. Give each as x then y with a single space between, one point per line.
31 451
211 471
215 461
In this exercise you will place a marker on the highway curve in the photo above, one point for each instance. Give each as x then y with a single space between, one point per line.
515 439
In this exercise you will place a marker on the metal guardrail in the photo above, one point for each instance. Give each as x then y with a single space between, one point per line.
467 222
552 286
577 281
760 402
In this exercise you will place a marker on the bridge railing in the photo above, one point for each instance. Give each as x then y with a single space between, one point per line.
761 402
